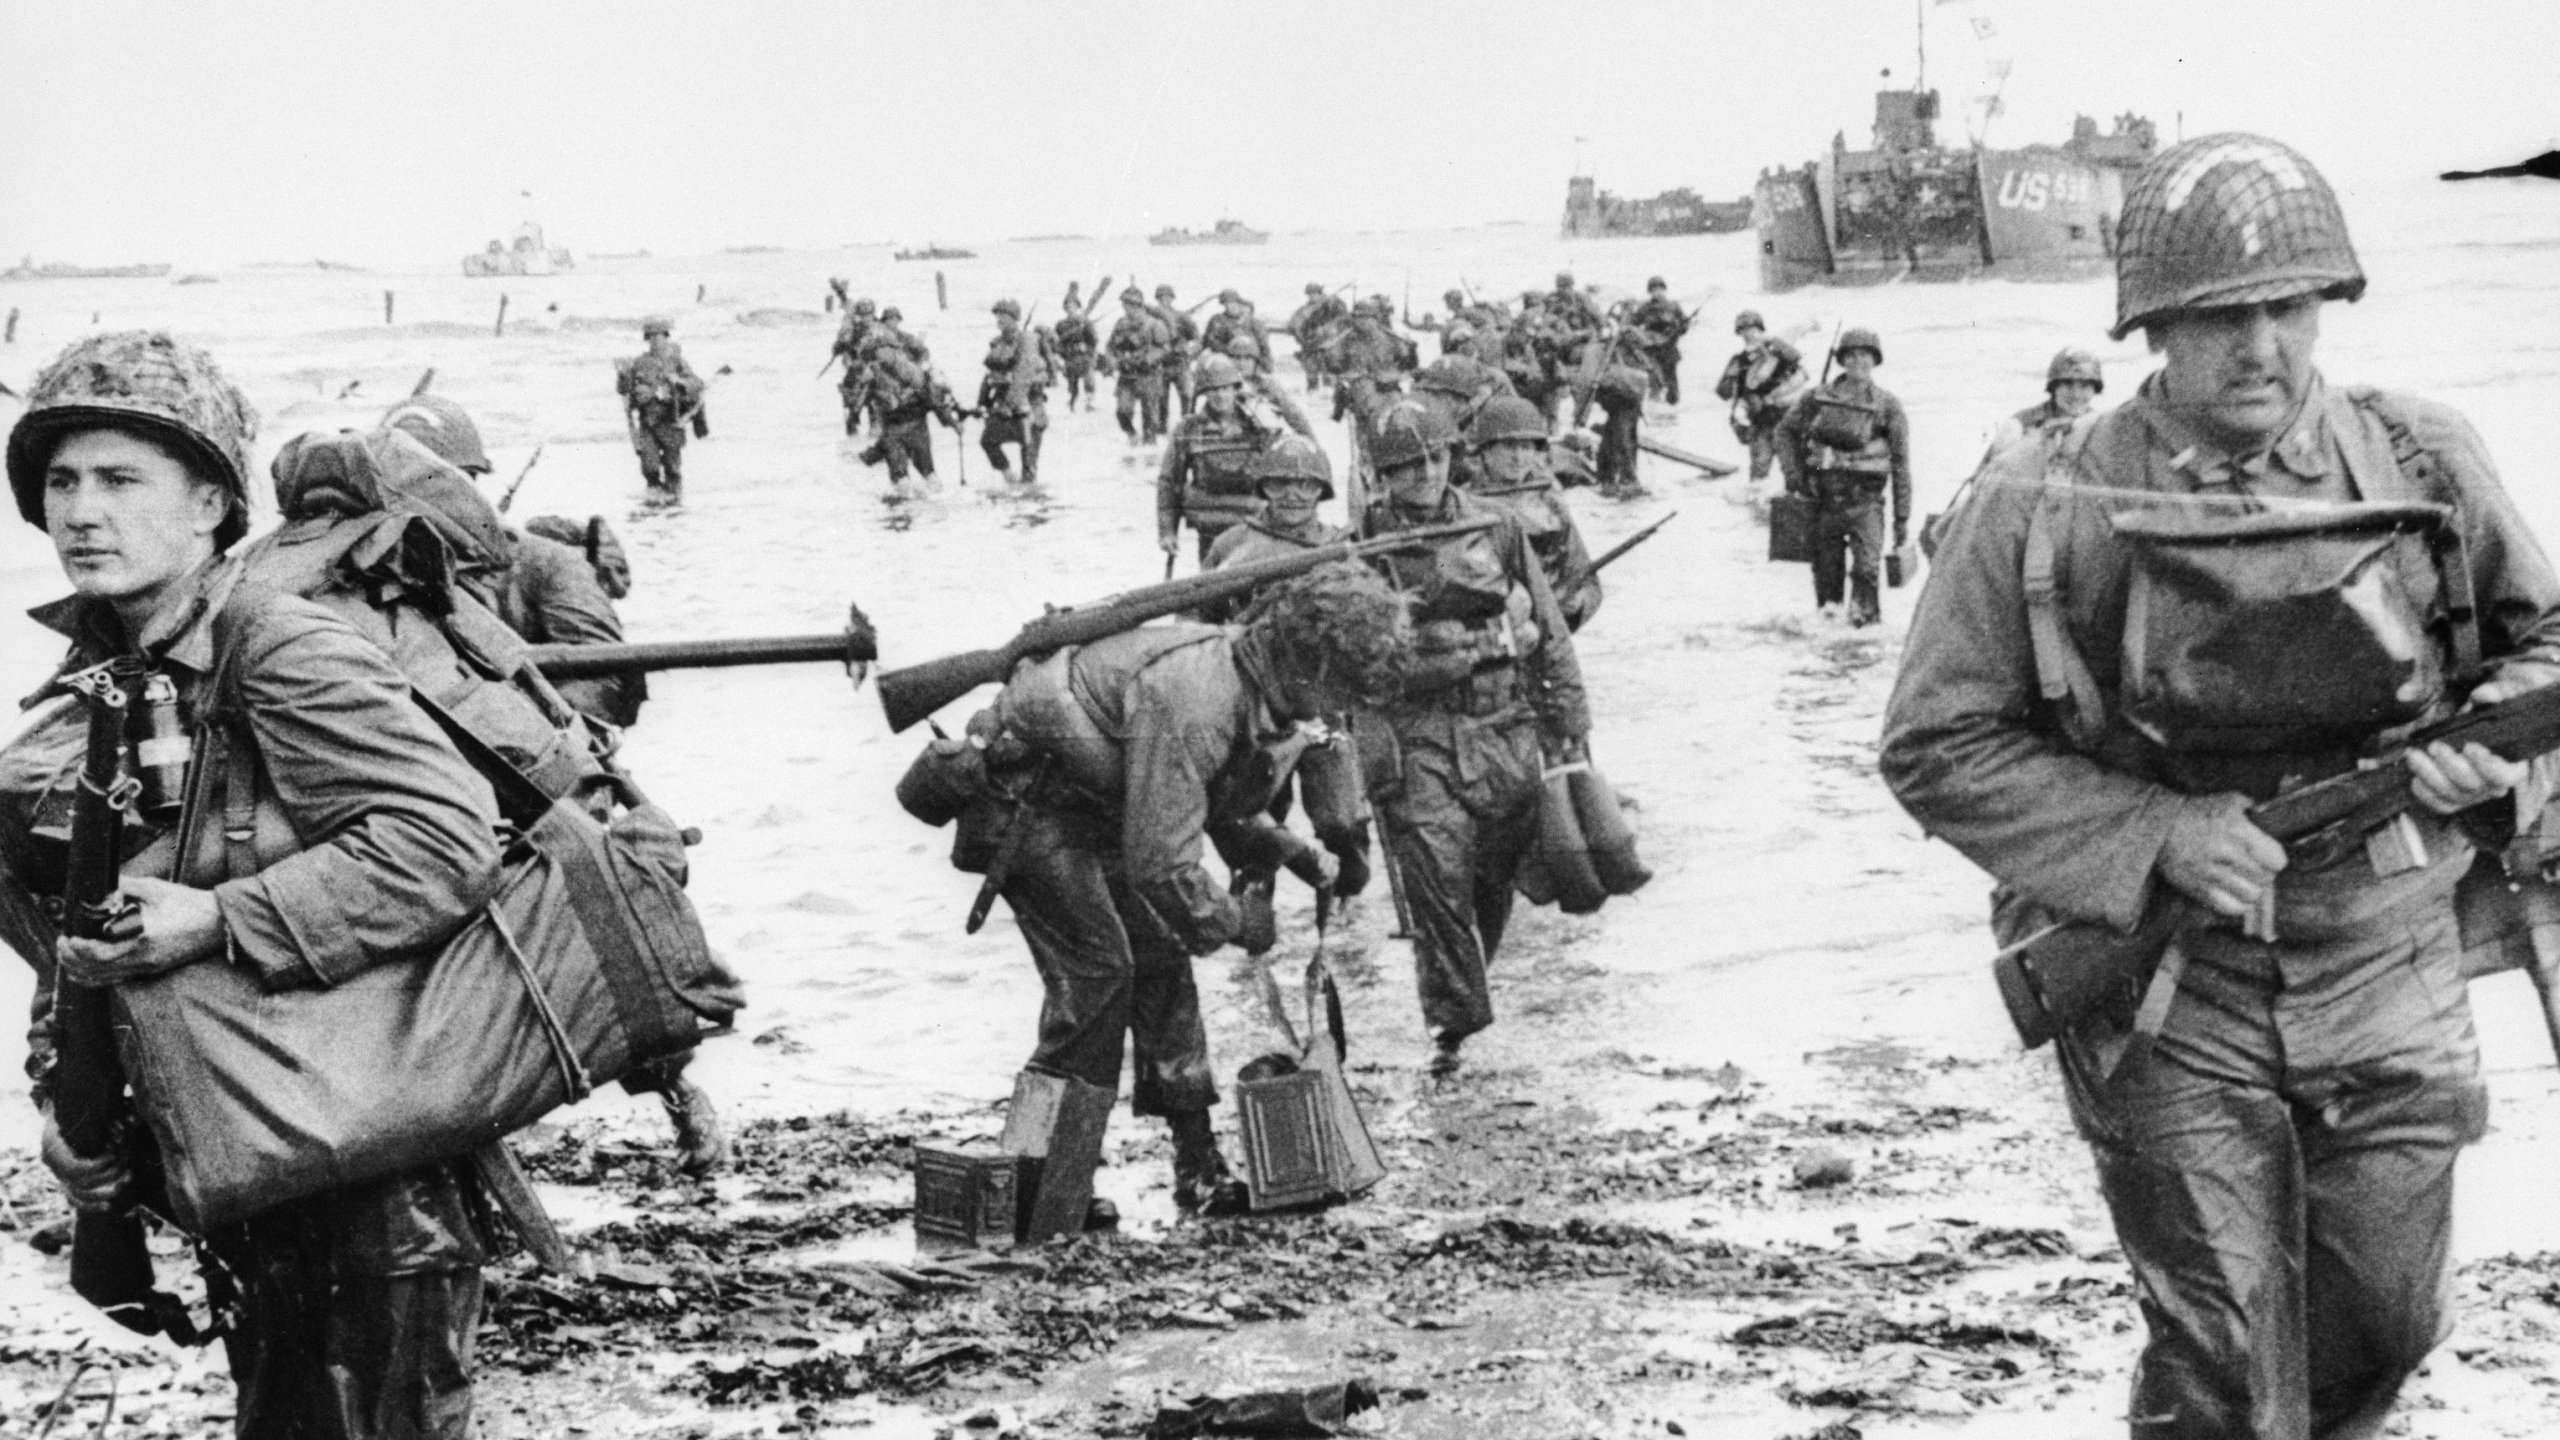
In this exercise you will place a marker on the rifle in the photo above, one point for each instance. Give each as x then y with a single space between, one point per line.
423 382
2053 977
510 497
1830 353
853 645
1631 542
916 691
110 1255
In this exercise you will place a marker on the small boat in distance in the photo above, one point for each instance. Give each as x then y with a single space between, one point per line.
28 269
937 252
524 253
1590 212
1226 232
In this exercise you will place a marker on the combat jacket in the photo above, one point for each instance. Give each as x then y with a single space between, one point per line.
1980 756
1224 328
551 597
1184 710
1076 342
1139 343
1184 339
401 850
1312 319
1261 539
1207 475
1573 312
853 337
1018 374
1758 375
1814 468
1538 507
1489 633
1370 349
1659 324
660 388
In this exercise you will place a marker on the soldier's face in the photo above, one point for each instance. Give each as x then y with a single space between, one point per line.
2073 397
1509 460
1006 325
1220 402
1859 364
1418 483
127 517
1234 309
1292 502
2239 371
1751 334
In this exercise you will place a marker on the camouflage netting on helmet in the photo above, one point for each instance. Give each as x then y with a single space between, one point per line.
2229 219
149 381
1342 624
1408 432
1507 417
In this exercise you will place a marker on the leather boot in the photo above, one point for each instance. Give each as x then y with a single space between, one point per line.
1201 1181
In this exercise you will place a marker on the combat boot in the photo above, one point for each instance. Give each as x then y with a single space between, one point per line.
1202 1184
1444 1061
1031 456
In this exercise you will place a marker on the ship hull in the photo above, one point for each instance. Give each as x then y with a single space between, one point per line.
84 272
2034 214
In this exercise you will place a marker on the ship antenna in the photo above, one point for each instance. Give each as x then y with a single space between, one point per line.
1920 21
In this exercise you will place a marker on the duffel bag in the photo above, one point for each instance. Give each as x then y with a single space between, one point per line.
588 962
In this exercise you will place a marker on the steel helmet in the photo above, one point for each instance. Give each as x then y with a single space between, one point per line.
442 427
1164 292
865 307
1293 457
657 325
1749 320
148 382
1657 283
1455 298
1506 417
1449 376
1564 279
1216 372
2073 363
892 314
1243 348
1133 296
1408 432
1859 337
1007 307
2229 219
1229 296
1458 332
1315 287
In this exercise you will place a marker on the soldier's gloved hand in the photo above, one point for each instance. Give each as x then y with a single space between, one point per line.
89 1184
1316 867
2216 857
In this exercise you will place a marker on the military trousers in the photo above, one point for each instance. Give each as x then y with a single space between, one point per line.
357 1311
1848 544
661 450
1618 421
1114 976
2279 1164
903 443
1666 370
1457 805
1002 429
1139 402
1177 380
1079 375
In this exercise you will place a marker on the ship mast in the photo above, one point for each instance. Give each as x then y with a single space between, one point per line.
1920 22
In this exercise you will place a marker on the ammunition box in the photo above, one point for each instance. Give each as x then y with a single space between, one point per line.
1288 1157
967 1199
1055 1123
1790 529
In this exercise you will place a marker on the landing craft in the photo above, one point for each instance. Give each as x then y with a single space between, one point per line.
1913 208
1594 213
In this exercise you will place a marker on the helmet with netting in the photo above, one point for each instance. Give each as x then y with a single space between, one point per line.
150 383
1293 457
1506 417
2074 363
1859 337
441 426
1216 372
1408 432
1450 376
2229 219
1748 320
1341 624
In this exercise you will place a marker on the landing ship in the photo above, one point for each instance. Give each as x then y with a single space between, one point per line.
1911 208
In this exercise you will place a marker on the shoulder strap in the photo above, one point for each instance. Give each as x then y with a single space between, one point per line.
2061 671
2425 473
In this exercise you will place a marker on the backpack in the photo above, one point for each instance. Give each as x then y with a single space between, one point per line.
595 540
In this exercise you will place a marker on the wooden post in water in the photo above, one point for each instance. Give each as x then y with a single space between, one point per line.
501 329
699 291
386 307
12 337
941 292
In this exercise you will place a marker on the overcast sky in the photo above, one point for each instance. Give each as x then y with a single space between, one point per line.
206 133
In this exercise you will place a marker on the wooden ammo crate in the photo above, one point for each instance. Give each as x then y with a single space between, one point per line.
967 1199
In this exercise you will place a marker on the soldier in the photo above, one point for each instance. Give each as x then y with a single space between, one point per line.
1512 470
1457 386
1106 880
892 331
1206 480
1620 388
906 396
1139 344
1076 343
1013 397
353 1311
2072 384
1369 360
1529 359
1659 323
659 393
853 346
1293 478
1178 356
1762 379
1573 311
1840 445
2275 1120
1494 693
1313 325
550 593
1253 356
1235 321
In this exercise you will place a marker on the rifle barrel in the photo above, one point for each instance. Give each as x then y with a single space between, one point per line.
590 662
1631 542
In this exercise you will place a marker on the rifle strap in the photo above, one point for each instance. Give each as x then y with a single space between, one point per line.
2061 671
2424 472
